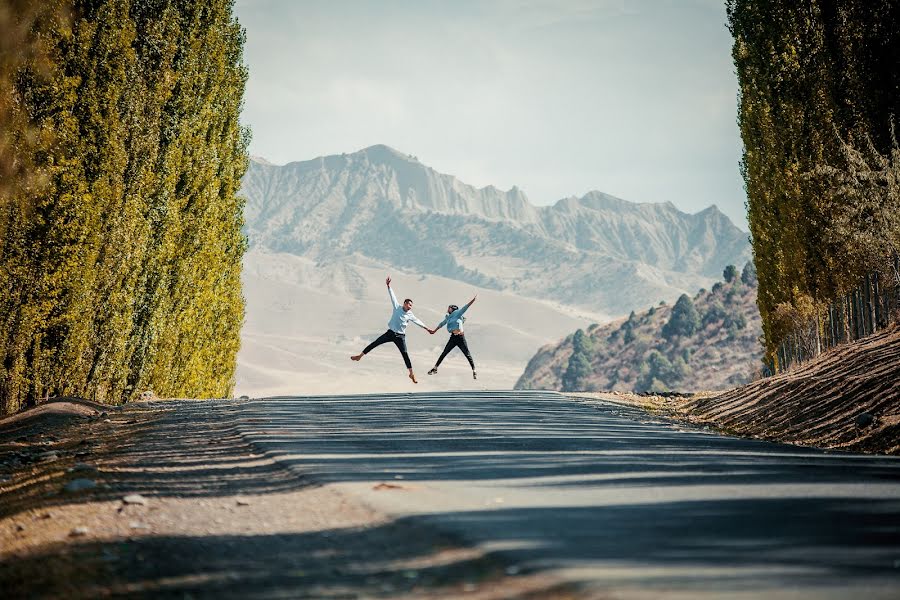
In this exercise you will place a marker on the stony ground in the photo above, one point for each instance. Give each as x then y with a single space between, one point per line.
98 502
847 399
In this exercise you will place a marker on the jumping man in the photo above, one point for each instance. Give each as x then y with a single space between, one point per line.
454 321
396 332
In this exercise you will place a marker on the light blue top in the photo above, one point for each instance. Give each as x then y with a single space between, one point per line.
399 318
454 320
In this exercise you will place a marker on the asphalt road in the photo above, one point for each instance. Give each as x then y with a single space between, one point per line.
626 505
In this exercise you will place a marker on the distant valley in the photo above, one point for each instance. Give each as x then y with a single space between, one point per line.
323 233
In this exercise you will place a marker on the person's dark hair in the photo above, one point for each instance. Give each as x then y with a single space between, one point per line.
454 307
405 300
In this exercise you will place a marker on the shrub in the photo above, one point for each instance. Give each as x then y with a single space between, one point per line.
714 314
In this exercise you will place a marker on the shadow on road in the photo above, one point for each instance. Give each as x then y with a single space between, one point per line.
331 564
725 546
188 449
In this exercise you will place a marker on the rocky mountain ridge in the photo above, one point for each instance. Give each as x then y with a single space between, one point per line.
380 205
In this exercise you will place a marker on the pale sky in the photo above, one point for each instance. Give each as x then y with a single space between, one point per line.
635 98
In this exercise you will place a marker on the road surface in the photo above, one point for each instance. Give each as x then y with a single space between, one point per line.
441 495
604 495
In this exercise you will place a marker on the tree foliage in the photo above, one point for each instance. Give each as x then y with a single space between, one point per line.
122 272
748 274
818 91
579 367
684 320
730 273
658 374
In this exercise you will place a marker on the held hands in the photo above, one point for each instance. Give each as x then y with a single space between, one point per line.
388 281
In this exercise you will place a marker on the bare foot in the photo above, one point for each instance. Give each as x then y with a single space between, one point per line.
413 377
357 357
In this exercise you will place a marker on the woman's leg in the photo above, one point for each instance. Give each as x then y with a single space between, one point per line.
451 344
465 350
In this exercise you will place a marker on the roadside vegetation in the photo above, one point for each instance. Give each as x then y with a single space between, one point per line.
821 163
120 225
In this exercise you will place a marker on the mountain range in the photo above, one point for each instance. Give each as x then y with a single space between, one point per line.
597 251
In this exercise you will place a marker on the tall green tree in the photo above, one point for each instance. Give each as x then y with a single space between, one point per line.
124 269
813 76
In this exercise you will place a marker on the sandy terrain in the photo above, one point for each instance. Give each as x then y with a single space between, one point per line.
305 320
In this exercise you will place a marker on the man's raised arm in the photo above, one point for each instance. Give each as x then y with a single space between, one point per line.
394 302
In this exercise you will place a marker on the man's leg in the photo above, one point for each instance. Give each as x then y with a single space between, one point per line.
400 342
451 344
382 339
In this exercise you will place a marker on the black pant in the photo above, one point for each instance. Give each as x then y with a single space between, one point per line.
399 340
453 342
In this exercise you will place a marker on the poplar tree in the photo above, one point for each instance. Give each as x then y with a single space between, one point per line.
814 77
122 273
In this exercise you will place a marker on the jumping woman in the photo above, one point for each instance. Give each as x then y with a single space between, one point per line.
454 321
396 332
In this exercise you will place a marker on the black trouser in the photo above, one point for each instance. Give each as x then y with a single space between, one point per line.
453 342
399 340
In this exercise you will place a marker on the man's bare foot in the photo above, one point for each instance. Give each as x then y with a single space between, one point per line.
413 377
356 357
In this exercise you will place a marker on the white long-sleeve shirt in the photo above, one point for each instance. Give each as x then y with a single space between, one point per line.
400 318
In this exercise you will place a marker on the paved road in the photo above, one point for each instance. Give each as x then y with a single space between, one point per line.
628 505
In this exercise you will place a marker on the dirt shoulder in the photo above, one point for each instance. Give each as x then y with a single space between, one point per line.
847 399
169 500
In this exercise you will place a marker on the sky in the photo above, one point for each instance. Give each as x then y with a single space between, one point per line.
635 98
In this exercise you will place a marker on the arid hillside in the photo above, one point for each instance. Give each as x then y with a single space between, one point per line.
708 342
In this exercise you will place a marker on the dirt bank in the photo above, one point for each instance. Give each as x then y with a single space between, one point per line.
847 399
